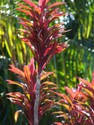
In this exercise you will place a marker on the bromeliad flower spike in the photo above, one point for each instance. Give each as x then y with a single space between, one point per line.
78 104
26 99
42 38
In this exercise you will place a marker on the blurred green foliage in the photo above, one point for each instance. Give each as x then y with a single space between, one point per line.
76 60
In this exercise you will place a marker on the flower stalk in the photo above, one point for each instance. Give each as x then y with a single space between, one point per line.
36 104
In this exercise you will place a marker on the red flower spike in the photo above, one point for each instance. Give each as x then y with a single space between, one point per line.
28 85
79 104
88 87
40 38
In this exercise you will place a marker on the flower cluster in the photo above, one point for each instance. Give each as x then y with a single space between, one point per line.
41 34
79 104
27 98
38 33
